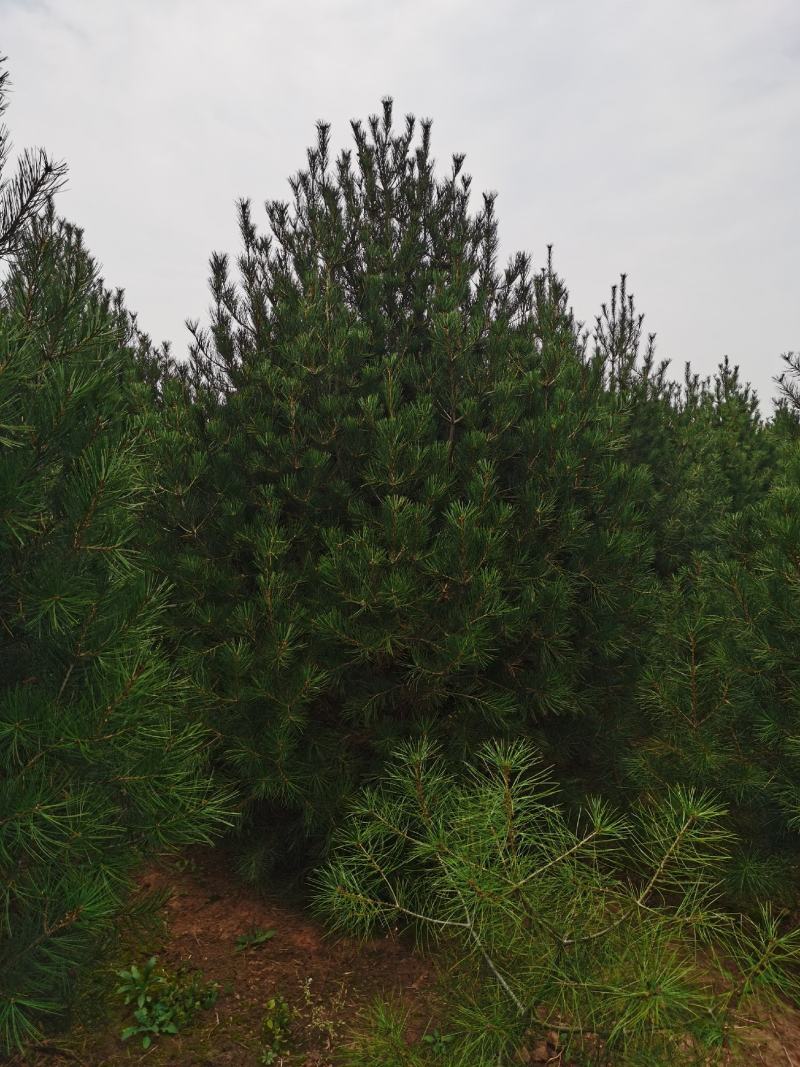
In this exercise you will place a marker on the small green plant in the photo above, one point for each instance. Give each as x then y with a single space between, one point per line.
164 1002
437 1042
325 1019
379 1037
256 936
275 1030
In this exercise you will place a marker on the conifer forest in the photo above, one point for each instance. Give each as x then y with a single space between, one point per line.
405 627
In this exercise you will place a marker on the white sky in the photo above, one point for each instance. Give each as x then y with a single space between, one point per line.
656 137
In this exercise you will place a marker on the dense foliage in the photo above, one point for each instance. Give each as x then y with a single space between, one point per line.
409 506
405 493
395 495
719 693
99 763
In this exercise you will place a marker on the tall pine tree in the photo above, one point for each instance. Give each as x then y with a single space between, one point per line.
99 763
397 497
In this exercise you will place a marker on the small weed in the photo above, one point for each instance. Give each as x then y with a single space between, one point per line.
326 1020
165 1002
275 1030
437 1042
257 936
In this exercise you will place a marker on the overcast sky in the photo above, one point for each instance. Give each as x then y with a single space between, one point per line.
656 137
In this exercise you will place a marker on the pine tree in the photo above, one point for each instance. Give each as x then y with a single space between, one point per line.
720 692
397 486
702 440
35 181
99 764
789 381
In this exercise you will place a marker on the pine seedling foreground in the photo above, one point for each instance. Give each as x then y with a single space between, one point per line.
608 932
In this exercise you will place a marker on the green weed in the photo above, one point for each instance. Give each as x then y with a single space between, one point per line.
164 1002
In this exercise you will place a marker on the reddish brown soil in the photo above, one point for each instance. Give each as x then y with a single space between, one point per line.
327 981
